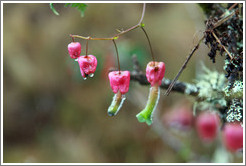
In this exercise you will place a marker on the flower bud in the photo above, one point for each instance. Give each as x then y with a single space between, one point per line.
180 118
155 72
119 81
207 125
87 64
74 49
233 136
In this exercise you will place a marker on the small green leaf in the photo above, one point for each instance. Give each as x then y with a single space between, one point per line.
142 25
81 7
67 4
53 9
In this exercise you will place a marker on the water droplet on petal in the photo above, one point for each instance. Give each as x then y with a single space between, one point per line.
76 59
91 75
84 78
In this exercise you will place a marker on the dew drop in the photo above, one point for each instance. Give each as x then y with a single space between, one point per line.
84 78
76 59
91 75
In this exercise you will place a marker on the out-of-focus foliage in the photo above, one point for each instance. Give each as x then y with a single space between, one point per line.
79 6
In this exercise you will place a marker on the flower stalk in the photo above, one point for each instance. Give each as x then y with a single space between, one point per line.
146 115
119 82
116 104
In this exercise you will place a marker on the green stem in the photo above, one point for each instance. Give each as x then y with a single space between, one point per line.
146 115
116 104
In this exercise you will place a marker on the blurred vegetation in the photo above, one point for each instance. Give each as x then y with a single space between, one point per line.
81 7
50 114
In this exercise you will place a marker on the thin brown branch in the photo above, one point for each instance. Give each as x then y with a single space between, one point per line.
218 40
86 50
151 50
142 16
183 67
234 5
116 36
224 19
217 24
117 54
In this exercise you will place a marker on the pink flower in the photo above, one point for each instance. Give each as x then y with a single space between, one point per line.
207 125
155 72
119 81
180 118
233 136
74 49
87 64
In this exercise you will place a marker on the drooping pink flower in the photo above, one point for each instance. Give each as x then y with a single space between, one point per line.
207 125
87 64
155 72
119 81
233 136
74 49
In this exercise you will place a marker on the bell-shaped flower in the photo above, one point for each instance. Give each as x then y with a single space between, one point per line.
88 65
207 126
233 137
119 82
154 72
74 50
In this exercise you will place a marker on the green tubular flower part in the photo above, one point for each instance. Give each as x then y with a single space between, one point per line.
146 115
116 104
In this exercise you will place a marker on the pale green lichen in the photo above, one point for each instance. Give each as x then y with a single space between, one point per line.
211 86
234 112
236 91
237 87
190 88
227 62
215 91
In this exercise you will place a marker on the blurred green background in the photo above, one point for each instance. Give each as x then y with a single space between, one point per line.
50 114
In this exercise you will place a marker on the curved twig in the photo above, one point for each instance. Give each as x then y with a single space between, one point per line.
116 36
